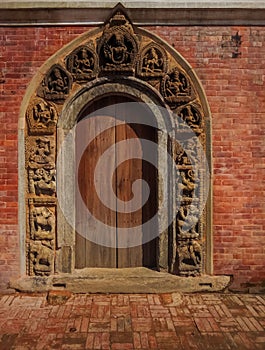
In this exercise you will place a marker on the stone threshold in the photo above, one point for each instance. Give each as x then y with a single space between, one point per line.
126 280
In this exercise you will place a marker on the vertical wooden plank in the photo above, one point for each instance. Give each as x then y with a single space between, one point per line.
90 254
127 173
149 210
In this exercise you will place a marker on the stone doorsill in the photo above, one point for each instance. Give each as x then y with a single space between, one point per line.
127 280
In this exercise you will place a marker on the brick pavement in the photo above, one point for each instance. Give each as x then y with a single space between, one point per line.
135 321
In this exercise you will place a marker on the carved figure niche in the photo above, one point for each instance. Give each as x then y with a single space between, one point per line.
117 48
82 63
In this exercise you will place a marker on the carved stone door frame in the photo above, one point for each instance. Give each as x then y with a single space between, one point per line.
117 58
137 90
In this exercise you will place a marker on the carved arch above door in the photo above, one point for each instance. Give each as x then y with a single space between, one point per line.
115 58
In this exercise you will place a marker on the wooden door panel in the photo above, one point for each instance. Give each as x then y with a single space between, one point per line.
91 254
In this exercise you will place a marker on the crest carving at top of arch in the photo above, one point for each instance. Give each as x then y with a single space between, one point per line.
117 47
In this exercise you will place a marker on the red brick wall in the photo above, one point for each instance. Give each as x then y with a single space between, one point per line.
235 92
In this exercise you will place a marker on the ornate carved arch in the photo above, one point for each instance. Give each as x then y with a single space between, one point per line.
126 58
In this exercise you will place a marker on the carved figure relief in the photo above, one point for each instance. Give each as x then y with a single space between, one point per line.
176 88
56 85
117 47
42 181
42 224
41 153
41 259
192 117
188 157
41 117
187 219
153 61
190 255
82 63
188 183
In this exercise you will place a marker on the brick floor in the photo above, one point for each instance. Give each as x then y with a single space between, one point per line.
135 321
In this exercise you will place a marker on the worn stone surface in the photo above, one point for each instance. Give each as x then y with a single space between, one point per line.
171 321
127 280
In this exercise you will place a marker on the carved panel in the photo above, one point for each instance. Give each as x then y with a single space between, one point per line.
42 181
56 85
191 116
190 257
176 88
82 63
41 117
40 153
152 61
41 241
117 48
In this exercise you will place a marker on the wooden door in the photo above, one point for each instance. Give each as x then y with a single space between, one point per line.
90 254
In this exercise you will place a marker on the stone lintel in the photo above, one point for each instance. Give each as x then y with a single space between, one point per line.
91 14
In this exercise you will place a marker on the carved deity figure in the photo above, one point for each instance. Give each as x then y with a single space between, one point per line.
115 50
176 84
43 115
187 219
41 259
152 62
41 155
83 62
192 118
57 83
42 181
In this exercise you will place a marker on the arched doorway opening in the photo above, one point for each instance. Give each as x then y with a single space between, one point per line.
119 111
